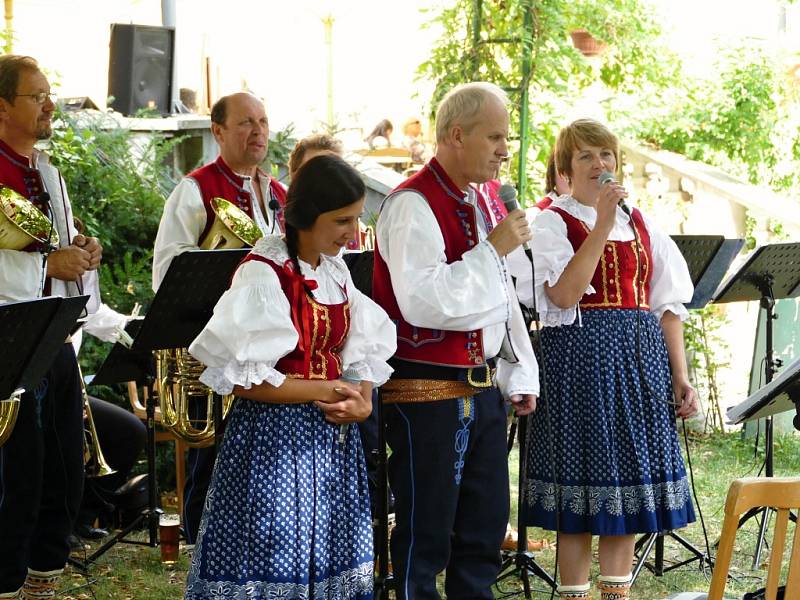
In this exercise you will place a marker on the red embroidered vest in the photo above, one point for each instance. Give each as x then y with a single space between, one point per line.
614 279
17 174
217 180
458 224
322 328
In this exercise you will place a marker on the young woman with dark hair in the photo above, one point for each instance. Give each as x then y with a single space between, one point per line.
288 512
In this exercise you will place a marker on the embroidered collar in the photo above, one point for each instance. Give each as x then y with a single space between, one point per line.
273 247
587 214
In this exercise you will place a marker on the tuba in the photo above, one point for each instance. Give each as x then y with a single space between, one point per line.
21 224
177 371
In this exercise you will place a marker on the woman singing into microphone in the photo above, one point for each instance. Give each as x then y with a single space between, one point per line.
611 303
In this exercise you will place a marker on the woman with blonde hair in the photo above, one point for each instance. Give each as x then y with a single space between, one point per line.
610 289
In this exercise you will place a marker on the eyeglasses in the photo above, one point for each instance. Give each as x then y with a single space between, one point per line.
39 97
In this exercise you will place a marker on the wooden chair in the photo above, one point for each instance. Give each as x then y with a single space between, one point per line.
162 435
782 494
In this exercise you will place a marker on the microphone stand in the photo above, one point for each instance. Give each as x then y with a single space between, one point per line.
520 563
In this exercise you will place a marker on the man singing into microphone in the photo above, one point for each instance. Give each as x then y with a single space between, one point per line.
462 346
239 124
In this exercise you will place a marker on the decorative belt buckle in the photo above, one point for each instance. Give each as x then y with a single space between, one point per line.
487 375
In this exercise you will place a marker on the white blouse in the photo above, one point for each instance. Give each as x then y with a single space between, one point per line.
252 329
670 286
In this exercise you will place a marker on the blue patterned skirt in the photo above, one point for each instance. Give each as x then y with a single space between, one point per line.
287 514
615 446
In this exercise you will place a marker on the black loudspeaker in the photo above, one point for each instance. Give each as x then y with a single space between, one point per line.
140 68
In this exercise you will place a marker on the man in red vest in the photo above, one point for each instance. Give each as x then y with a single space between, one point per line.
41 464
462 347
240 126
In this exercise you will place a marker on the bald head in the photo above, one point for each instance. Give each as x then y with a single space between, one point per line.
239 124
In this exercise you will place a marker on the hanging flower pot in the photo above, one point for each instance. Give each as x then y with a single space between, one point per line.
586 43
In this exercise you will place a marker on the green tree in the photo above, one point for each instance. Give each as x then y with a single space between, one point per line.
465 52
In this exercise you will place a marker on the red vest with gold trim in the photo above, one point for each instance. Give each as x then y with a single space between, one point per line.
217 180
458 224
322 328
614 279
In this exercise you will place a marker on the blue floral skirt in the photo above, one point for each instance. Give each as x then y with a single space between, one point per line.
287 514
614 446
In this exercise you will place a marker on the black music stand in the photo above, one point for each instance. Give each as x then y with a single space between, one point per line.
708 258
181 308
780 395
31 334
770 273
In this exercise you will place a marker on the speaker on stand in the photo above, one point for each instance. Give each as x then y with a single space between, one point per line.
140 68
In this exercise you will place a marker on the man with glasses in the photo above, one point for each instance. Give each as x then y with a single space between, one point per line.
41 464
240 127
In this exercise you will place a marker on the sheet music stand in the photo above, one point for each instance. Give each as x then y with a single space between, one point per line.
31 334
181 308
770 273
708 258
778 396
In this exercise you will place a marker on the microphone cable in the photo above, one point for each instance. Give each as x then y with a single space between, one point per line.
543 404
639 291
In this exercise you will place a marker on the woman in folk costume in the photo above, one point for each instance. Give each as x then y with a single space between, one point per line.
611 302
287 513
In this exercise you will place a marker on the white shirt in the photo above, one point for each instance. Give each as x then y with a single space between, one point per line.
184 219
23 273
474 292
670 285
252 329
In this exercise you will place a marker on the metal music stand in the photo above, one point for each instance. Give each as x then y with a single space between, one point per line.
780 395
708 258
31 334
384 581
181 308
770 273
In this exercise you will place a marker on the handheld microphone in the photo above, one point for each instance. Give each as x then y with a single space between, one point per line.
508 194
350 376
607 177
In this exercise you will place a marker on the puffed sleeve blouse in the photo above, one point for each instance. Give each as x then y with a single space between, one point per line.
670 286
251 328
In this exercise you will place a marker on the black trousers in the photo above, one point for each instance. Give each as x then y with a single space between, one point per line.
121 436
449 474
41 475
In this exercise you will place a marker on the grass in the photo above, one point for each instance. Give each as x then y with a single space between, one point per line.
133 572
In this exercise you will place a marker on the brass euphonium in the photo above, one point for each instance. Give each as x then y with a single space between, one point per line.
21 224
178 371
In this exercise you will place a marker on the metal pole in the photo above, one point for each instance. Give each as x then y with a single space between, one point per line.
527 48
169 19
328 23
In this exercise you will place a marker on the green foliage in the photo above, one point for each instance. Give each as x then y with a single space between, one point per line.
117 185
559 72
732 121
280 147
